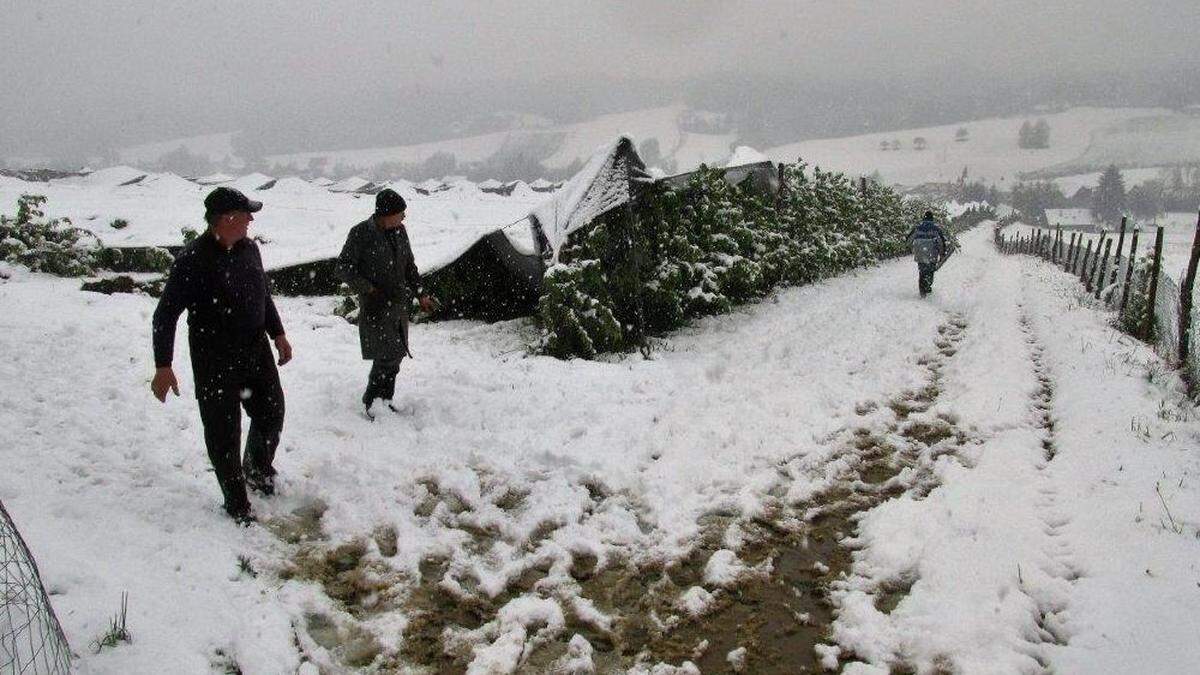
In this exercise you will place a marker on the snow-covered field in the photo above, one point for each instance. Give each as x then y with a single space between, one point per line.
1045 517
991 154
569 142
300 221
1179 232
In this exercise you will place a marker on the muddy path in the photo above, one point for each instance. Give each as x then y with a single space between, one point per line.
752 595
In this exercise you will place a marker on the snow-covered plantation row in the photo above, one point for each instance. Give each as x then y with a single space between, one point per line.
297 224
677 253
1023 478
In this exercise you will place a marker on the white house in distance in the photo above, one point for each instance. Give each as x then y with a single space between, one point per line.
1070 219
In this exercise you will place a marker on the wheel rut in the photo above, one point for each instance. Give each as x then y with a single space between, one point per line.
1051 597
752 593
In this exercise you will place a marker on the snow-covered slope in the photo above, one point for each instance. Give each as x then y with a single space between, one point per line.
571 143
213 147
990 152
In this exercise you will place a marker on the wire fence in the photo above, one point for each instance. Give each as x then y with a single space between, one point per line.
1149 301
31 640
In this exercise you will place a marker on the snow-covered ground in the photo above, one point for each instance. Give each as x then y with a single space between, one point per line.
1052 527
300 222
990 152
1179 233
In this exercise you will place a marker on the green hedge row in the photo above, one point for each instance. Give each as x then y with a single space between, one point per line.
54 246
670 256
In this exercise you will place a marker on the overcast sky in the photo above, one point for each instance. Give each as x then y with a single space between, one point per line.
79 72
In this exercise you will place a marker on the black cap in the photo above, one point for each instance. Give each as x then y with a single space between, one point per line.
389 202
929 215
226 199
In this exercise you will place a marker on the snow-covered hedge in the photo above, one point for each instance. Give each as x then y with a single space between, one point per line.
672 256
54 246
49 245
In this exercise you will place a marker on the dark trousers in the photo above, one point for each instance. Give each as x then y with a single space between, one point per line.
255 387
381 382
925 277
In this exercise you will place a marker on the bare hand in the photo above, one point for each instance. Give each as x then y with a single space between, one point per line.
164 379
427 304
284 348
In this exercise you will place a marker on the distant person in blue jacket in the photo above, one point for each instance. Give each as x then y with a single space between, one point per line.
930 247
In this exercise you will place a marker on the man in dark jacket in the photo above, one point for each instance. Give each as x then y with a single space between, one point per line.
219 280
930 248
377 263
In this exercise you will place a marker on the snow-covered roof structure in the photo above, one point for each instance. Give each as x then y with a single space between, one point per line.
543 185
251 181
1070 217
604 183
495 187
354 184
430 186
113 176
744 154
165 183
292 185
213 179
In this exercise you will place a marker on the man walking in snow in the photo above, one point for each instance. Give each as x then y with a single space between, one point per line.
377 263
930 248
220 281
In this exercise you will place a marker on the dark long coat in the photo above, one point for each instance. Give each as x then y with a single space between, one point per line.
378 265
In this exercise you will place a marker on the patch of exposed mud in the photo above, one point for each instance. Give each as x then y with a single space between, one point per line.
777 606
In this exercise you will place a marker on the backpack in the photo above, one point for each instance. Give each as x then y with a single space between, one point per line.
927 250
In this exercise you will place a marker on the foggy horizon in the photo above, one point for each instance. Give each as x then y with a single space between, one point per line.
307 76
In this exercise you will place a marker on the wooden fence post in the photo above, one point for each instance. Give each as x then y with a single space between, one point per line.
1086 254
1070 252
1103 268
1078 252
1185 298
1090 276
1058 245
1120 245
1129 270
1148 327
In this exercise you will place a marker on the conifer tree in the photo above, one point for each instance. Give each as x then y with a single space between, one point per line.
1108 201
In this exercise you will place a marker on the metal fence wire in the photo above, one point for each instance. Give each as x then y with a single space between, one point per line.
31 639
1167 300
1166 314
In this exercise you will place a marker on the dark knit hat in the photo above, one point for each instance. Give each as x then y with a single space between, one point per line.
929 215
389 202
226 199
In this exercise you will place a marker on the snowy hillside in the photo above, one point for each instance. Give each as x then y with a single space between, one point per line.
566 144
1082 141
213 147
990 151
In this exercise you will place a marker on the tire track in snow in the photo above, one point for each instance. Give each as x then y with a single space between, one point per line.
771 596
781 610
1051 601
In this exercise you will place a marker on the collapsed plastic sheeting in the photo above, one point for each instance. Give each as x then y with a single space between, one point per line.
500 274
603 184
